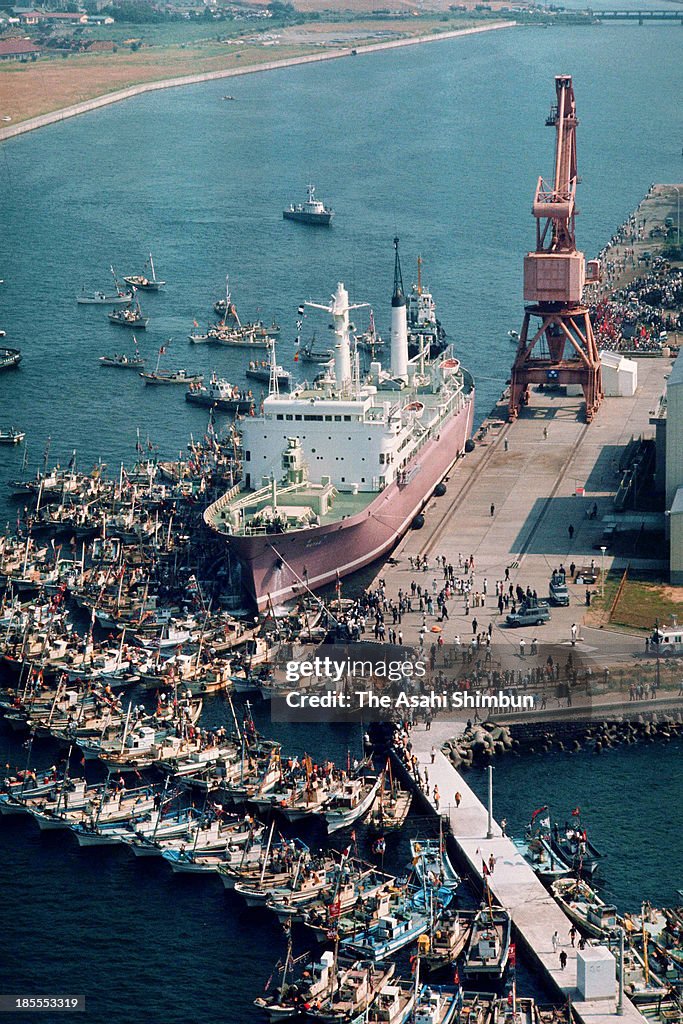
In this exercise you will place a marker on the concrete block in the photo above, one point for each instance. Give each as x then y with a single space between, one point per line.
596 973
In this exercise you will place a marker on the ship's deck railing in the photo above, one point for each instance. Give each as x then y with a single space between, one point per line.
213 511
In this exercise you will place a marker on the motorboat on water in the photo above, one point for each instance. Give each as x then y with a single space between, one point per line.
9 358
99 297
143 282
122 361
308 352
312 211
261 371
489 946
12 436
219 394
129 316
431 864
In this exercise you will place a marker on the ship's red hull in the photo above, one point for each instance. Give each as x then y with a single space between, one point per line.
281 566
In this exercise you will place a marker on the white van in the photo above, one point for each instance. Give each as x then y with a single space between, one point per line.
667 640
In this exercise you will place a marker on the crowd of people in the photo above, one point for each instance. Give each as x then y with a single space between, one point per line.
632 319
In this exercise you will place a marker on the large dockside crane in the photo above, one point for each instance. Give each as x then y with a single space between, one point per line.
562 349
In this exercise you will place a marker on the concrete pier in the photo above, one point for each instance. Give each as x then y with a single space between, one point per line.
510 504
514 885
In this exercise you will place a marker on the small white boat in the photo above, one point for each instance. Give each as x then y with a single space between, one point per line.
513 335
148 284
100 298
12 436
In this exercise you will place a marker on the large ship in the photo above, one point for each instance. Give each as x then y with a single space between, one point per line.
335 472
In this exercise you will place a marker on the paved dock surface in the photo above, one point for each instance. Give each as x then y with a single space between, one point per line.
510 504
535 914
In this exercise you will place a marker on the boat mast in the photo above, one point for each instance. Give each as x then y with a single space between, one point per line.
273 385
151 264
267 854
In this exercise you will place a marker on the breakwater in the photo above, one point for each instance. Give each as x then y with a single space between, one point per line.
482 743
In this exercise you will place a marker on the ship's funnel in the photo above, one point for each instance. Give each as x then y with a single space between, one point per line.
399 324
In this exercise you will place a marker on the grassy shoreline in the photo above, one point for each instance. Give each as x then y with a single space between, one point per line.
44 92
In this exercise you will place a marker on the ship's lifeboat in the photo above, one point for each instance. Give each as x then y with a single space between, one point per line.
417 409
449 366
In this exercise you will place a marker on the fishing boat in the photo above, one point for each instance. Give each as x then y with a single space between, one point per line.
157 378
573 844
539 853
122 361
489 945
100 297
312 211
426 335
310 354
390 934
261 371
442 945
370 341
129 316
12 436
9 358
300 984
145 283
584 907
431 863
393 1004
220 394
357 987
250 336
438 1005
196 337
392 805
350 802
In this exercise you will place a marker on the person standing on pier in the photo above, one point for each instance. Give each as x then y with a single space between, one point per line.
563 959
572 934
555 940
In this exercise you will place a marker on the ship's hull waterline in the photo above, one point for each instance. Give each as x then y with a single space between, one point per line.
279 567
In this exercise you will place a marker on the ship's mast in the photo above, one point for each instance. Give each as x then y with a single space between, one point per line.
339 310
273 387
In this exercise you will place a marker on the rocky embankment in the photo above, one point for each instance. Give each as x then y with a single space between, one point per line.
480 744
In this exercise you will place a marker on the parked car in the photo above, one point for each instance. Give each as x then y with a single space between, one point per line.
534 614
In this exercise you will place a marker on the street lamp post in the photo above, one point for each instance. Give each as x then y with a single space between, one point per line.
602 571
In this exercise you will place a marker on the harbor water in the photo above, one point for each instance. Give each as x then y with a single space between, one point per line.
440 144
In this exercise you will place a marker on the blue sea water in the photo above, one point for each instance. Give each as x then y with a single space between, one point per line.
440 144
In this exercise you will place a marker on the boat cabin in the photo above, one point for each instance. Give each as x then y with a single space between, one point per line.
386 1006
604 917
142 739
487 947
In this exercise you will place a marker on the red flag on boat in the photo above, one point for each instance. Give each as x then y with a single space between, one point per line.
485 869
539 811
